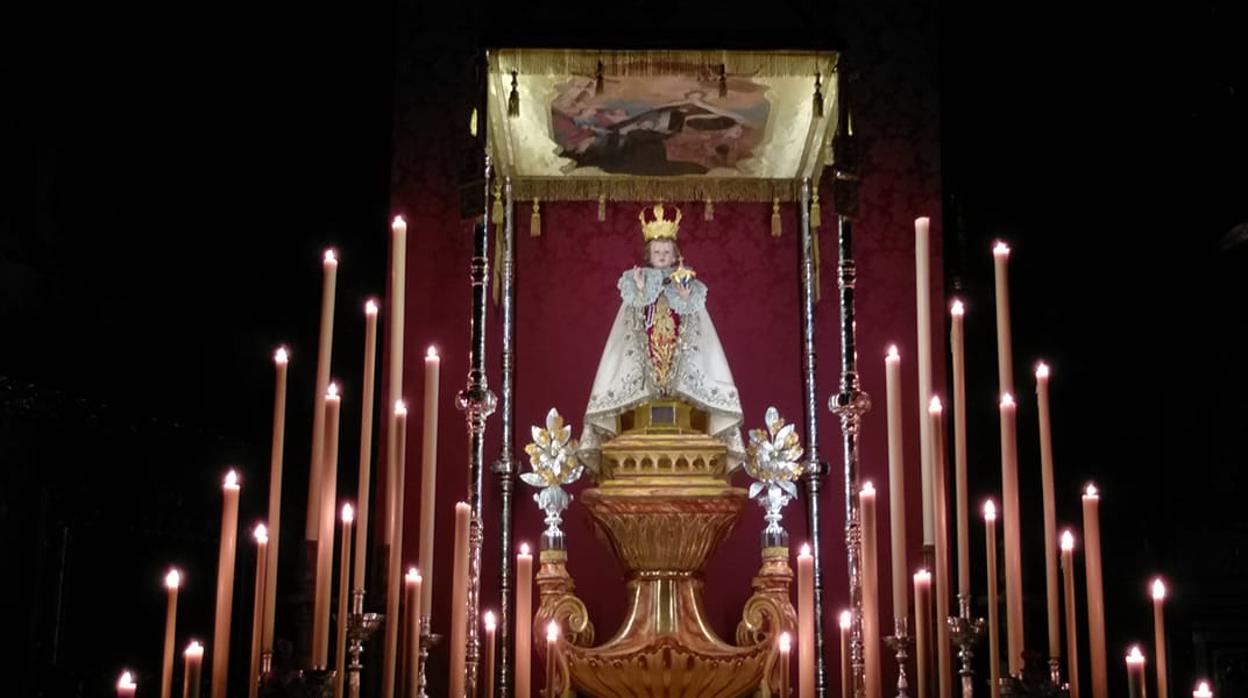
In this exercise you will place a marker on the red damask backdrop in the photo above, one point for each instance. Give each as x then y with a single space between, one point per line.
566 298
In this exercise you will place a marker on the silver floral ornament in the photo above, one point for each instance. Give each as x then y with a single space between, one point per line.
773 459
552 457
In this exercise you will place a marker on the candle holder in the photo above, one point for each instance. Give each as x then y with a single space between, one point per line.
1055 672
900 642
964 632
360 627
427 640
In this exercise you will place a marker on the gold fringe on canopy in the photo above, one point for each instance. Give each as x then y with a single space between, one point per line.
627 63
626 188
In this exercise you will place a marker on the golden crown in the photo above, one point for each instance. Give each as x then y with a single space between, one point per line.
660 228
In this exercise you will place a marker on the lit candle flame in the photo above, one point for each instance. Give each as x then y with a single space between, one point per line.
1091 491
490 622
786 642
1068 540
934 407
1135 656
958 310
847 620
1001 248
990 510
348 513
1159 589
370 308
231 480
1007 400
400 408
126 681
1202 690
805 551
552 632
261 532
923 576
892 352
868 489
1042 370
173 579
194 649
281 356
331 257
413 575
431 353
332 392
524 549
398 223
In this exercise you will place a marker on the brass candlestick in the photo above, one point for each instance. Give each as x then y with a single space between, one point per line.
427 639
964 632
360 627
900 642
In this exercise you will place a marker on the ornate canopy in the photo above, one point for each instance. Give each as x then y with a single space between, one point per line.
645 125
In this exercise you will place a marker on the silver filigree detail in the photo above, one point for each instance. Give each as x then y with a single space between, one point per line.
554 463
773 459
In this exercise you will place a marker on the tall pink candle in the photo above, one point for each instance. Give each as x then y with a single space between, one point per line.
172 581
459 598
552 647
344 608
126 685
490 639
1159 637
805 623
1013 542
786 664
923 312
325 350
1005 361
225 585
325 539
414 582
363 491
395 470
896 486
280 360
922 630
1095 591
192 666
962 504
994 603
847 671
1050 515
398 291
394 535
261 535
944 662
524 620
429 472
1072 620
1135 673
871 647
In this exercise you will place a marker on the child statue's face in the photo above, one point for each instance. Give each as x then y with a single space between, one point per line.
662 254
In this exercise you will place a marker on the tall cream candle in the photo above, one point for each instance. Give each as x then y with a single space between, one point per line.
490 639
896 486
958 354
1095 591
1135 673
552 646
429 472
325 539
847 670
363 492
225 585
395 471
414 581
172 581
1050 511
786 663
126 686
994 602
394 536
261 536
923 312
1005 360
944 662
1013 542
922 630
524 621
1072 621
398 321
459 598
324 354
1159 637
281 359
871 646
192 667
805 623
344 607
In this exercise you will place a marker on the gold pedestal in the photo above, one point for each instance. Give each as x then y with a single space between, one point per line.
663 504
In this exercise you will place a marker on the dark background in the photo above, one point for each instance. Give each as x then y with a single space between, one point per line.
170 185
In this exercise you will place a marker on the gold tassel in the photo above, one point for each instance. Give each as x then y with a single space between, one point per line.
814 212
497 276
598 81
708 213
496 211
775 217
723 81
602 208
535 221
513 99
818 104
